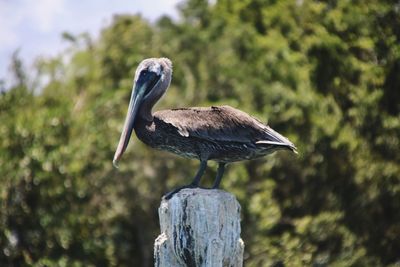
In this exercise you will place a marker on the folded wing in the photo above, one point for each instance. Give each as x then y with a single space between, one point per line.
223 124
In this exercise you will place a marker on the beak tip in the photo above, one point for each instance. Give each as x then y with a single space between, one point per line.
115 163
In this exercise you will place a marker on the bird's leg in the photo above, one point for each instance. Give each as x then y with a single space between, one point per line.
220 173
195 183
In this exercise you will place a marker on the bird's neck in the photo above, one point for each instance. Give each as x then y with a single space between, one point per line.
145 130
151 100
146 113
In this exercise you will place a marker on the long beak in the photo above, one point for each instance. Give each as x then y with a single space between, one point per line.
134 105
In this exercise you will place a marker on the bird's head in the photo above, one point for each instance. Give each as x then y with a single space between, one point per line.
152 78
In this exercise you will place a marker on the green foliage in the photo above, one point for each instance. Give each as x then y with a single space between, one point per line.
324 73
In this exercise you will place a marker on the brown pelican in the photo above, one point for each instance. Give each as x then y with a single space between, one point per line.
223 134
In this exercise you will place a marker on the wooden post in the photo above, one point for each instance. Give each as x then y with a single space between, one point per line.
199 227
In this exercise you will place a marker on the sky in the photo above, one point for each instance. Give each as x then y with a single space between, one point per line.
35 26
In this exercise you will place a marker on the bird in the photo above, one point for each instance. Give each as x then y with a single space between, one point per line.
218 133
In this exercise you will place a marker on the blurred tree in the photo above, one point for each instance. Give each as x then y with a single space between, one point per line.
324 73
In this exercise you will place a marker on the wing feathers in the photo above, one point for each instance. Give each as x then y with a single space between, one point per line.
222 124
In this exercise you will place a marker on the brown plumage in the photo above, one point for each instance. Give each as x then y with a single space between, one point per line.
223 134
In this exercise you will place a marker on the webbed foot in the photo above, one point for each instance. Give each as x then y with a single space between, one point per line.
169 195
194 184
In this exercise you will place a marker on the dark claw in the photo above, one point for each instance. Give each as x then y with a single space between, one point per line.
169 195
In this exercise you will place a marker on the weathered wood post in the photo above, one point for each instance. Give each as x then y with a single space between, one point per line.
199 228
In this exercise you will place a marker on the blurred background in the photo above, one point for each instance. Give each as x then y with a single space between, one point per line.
326 74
